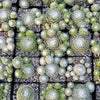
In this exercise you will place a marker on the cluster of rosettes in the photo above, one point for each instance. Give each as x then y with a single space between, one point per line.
72 92
79 43
95 47
70 2
59 17
79 19
4 91
74 2
95 19
84 17
30 19
51 67
55 17
53 42
50 1
7 44
53 92
78 70
7 23
26 35
6 69
27 42
97 70
26 3
25 92
23 67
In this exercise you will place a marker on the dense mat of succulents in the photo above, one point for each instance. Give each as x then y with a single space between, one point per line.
49 50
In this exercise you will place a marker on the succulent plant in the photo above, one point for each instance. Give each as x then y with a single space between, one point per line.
50 1
52 70
25 92
32 18
56 17
26 3
30 22
7 4
32 1
53 42
95 47
27 70
97 70
4 15
2 67
51 67
90 86
17 62
53 15
49 95
28 44
23 67
73 91
1 93
84 17
79 43
78 16
2 41
95 27
72 2
4 91
53 92
7 22
78 70
81 88
6 69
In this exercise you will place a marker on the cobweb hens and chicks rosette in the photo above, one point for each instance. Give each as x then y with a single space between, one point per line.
8 17
72 92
